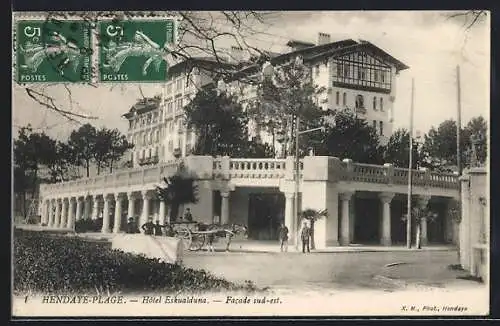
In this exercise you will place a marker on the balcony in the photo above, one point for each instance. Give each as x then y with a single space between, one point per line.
149 160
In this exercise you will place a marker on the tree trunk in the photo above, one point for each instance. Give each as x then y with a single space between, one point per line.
87 166
418 236
23 204
98 168
111 167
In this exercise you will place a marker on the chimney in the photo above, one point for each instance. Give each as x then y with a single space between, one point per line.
236 54
323 38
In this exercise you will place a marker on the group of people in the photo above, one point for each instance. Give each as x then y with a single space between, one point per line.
305 237
156 228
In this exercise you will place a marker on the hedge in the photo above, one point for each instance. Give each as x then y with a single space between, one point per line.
54 264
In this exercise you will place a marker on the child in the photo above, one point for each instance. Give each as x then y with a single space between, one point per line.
283 236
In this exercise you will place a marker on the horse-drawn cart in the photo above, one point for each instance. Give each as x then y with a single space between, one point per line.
195 235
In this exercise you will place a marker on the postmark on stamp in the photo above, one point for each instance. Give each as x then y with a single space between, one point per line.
53 50
135 50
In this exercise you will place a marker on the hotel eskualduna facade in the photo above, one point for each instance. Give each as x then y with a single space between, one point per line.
365 202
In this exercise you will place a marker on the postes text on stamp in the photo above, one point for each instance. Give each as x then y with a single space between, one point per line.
135 50
53 50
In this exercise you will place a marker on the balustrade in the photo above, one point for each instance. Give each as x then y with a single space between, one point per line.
255 169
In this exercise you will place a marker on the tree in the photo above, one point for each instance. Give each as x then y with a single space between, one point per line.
62 159
179 189
31 150
288 94
83 142
219 121
398 148
312 215
477 131
119 145
350 137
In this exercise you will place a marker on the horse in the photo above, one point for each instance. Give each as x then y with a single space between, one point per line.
227 231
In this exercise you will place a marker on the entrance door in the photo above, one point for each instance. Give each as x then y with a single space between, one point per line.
265 212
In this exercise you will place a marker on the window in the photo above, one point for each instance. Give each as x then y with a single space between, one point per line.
346 70
381 128
361 73
169 88
360 102
317 70
344 99
382 76
170 145
149 153
381 104
339 70
337 98
375 76
178 104
169 107
375 103
157 135
178 84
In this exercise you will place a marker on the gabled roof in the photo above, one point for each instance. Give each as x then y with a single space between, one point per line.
340 48
143 106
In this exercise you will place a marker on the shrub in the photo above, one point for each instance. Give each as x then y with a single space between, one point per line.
54 264
88 225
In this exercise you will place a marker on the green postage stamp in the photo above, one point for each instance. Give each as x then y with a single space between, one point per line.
135 50
53 50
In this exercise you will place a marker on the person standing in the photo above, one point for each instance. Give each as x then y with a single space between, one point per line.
283 237
148 227
305 235
131 226
157 228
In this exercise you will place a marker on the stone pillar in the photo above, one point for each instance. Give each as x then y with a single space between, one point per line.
50 222
118 213
78 215
131 205
95 208
71 213
105 214
290 217
319 192
145 208
345 223
352 219
64 213
45 218
57 219
161 212
86 213
386 198
224 207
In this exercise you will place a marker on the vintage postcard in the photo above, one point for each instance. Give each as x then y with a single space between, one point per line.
251 163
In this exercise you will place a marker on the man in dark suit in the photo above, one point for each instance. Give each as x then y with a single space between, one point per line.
148 227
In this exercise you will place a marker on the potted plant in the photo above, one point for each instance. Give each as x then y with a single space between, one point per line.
312 215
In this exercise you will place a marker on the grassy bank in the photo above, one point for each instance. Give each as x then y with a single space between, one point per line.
48 263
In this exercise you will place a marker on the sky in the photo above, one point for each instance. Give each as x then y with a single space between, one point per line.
429 43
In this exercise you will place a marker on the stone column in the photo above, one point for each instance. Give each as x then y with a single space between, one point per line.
289 217
87 208
386 199
224 207
118 213
131 205
105 214
345 223
50 222
422 203
161 212
45 218
145 208
78 215
95 208
57 219
71 213
64 213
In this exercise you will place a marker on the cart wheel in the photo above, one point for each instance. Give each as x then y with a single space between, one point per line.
197 242
184 234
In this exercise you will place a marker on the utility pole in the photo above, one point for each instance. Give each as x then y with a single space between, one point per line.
297 180
459 121
408 215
